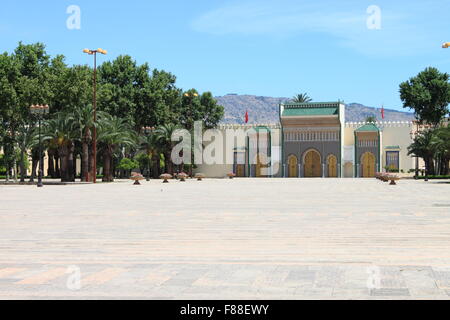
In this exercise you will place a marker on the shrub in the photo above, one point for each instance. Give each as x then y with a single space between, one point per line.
128 164
433 177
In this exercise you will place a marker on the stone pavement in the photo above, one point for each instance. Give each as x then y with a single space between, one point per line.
227 239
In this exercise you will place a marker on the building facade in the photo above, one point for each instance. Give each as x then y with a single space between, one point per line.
312 140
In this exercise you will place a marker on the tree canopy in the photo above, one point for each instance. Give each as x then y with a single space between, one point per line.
131 96
428 94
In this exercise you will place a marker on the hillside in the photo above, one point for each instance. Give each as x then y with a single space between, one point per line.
265 110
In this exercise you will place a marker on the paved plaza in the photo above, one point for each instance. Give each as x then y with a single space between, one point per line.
227 239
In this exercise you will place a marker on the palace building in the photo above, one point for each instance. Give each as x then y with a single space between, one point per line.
312 140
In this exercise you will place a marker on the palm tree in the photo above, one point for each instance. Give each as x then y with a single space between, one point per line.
61 133
371 119
425 148
441 144
113 132
149 146
84 123
25 141
164 138
301 98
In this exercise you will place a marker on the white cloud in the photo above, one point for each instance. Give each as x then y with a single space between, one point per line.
399 34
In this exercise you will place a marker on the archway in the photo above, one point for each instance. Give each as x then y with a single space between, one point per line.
293 166
368 165
332 166
313 164
261 165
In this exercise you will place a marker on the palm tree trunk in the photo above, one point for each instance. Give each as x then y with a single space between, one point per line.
57 164
63 168
156 166
70 164
106 165
51 166
34 164
91 163
111 170
168 163
85 162
23 171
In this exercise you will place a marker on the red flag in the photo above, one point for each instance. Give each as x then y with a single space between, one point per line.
382 112
246 116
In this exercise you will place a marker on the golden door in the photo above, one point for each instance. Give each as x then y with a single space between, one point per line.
332 166
368 165
240 170
313 167
293 167
260 164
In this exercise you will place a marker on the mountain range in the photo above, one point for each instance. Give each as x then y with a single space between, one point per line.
265 110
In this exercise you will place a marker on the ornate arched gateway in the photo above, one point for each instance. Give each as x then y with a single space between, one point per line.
332 166
313 164
261 165
368 165
293 166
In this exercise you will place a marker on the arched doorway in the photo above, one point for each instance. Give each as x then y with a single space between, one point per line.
313 164
332 166
368 165
293 166
261 165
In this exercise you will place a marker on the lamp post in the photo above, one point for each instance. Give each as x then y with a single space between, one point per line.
190 95
94 105
39 111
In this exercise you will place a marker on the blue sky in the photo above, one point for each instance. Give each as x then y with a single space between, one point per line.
270 48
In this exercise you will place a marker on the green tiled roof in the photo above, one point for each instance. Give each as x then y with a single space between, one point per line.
312 105
393 147
310 112
311 109
370 127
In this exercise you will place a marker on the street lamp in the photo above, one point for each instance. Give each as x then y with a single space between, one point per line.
94 104
190 95
39 111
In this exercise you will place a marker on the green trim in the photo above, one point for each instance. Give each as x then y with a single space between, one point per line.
248 158
310 112
392 148
355 169
293 105
379 153
282 143
370 127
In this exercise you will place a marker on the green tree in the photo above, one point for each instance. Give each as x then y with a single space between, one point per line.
113 132
122 85
371 119
26 141
428 94
61 132
164 137
441 144
150 147
423 147
301 98
157 100
83 118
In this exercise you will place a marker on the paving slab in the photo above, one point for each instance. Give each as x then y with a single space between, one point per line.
225 239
